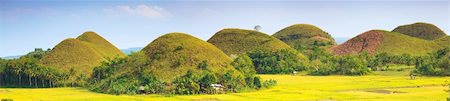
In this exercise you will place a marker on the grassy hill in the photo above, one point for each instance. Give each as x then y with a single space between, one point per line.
173 54
421 30
100 44
304 35
379 41
72 53
238 41
444 41
83 53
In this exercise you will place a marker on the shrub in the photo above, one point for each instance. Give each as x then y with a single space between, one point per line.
269 83
7 99
203 65
257 82
281 61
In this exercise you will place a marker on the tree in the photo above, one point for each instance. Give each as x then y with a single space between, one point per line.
257 82
206 81
257 28
245 65
203 65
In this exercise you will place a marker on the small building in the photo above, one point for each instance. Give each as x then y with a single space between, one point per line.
217 87
294 72
142 90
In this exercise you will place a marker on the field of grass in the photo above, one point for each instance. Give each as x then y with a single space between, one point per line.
378 86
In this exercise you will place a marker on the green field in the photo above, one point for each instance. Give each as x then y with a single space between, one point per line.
381 86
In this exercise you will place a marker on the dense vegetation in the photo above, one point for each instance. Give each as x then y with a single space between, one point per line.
119 77
283 61
26 72
177 63
436 63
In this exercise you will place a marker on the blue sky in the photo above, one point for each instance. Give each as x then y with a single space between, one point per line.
25 25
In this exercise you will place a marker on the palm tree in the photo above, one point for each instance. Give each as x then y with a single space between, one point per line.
71 74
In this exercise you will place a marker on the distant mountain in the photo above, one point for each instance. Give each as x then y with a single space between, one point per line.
132 49
12 57
304 35
380 41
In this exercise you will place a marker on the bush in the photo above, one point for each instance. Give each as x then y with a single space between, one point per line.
281 61
187 84
342 65
435 64
203 65
257 82
5 99
269 83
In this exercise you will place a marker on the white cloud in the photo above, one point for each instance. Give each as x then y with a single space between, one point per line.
140 10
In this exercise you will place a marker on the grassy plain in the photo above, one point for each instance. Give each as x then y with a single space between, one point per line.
378 86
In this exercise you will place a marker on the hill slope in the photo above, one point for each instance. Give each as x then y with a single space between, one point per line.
238 41
173 54
421 30
379 41
83 53
72 53
304 35
100 44
444 41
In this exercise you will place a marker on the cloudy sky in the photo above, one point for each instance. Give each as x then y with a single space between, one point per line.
25 25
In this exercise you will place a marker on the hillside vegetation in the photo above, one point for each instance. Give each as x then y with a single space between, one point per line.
81 54
379 41
421 30
304 36
101 45
444 41
239 41
173 54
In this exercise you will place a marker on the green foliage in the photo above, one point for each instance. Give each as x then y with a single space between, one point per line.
398 44
350 65
282 61
257 82
26 72
341 65
269 83
203 65
244 64
206 81
436 63
187 84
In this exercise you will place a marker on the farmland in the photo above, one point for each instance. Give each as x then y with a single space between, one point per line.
379 85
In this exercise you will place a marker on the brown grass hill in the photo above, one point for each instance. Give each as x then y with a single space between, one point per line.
421 30
72 53
304 35
379 41
235 41
173 54
82 54
100 44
